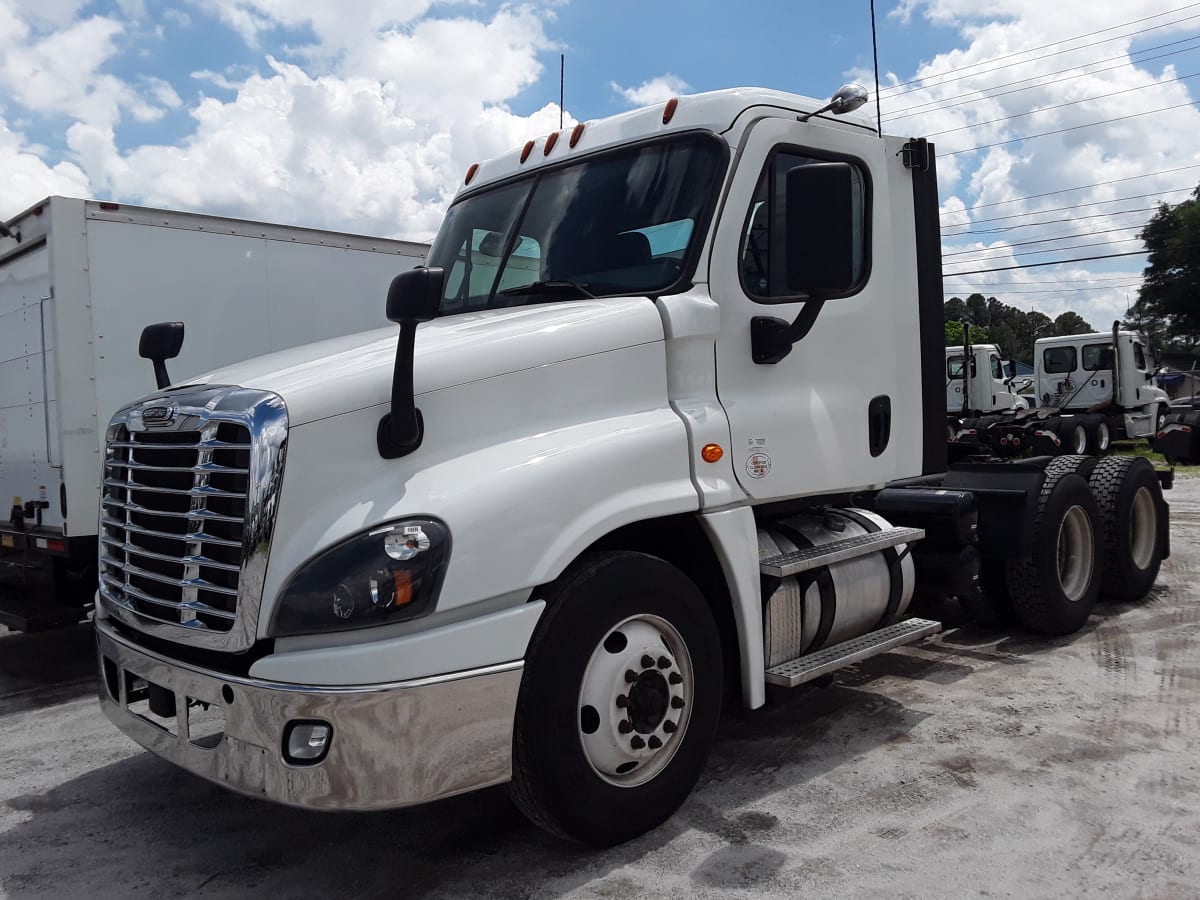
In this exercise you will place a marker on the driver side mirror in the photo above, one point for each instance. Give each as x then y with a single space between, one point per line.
158 343
819 229
415 295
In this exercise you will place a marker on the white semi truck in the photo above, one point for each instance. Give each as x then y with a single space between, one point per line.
78 281
610 473
1088 397
986 388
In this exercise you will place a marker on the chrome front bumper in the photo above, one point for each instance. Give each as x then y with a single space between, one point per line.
392 745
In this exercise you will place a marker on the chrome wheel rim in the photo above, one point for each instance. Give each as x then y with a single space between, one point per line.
1143 528
1103 438
1075 556
635 701
1079 438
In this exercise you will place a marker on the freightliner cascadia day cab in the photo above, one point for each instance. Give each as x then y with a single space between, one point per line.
985 389
78 281
1087 397
610 472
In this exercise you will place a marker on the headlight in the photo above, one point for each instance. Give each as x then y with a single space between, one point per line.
388 574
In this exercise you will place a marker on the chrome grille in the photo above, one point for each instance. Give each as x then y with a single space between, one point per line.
187 510
173 521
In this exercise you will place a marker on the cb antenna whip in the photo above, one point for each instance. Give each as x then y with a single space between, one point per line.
875 54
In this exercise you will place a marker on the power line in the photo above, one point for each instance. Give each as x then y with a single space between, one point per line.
1140 87
1056 281
1086 205
1059 262
1006 228
894 92
1061 237
946 293
980 257
1029 137
1126 60
1084 187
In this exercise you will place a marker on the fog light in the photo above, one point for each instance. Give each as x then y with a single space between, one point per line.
306 743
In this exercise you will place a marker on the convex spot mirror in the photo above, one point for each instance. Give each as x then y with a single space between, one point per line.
415 295
161 341
819 229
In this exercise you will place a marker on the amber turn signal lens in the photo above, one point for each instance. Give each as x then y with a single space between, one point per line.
471 172
403 581
711 453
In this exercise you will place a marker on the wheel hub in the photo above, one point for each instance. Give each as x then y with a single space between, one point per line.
635 700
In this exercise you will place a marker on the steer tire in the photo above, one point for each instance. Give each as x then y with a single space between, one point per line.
1073 433
555 782
1130 501
1052 595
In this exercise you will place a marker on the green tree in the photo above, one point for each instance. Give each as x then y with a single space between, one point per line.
1071 323
1168 304
954 335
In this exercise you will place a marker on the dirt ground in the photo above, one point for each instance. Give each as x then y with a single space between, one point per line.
972 765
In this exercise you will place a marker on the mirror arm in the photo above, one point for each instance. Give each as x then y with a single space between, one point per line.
772 339
401 430
161 378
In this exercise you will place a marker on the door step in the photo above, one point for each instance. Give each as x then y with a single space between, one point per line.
814 665
785 564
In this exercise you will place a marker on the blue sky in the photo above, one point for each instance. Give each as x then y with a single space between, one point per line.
362 115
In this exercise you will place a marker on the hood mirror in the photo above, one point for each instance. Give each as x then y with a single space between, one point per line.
413 297
160 342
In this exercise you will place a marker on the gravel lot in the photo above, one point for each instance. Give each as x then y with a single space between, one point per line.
972 765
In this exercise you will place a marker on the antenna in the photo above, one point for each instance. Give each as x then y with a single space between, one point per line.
562 78
875 55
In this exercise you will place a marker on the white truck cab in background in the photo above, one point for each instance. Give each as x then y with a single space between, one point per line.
987 389
79 279
610 473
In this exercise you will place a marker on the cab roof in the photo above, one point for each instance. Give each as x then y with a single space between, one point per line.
715 111
1092 338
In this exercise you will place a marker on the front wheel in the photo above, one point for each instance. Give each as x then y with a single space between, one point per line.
619 701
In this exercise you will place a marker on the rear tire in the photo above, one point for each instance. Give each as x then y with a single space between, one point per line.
1074 436
1129 497
1099 435
599 758
1054 589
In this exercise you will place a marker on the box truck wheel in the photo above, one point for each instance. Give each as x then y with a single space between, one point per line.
1054 589
1130 499
1073 434
619 699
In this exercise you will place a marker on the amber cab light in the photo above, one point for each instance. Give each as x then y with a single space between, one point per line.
526 150
669 112
471 173
576 134
550 142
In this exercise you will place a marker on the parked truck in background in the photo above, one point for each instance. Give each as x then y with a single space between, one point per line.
985 389
611 471
78 281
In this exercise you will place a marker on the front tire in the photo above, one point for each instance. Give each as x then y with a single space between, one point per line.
619 701
1129 496
1054 590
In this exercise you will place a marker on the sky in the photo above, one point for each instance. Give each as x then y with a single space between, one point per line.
1059 125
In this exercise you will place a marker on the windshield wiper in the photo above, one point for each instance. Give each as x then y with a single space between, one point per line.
578 288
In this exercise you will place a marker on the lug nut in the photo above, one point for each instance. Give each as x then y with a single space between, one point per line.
654 743
669 727
647 661
630 676
636 742
664 663
675 678
624 726
676 703
622 701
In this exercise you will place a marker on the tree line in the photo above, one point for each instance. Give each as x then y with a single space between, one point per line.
1012 330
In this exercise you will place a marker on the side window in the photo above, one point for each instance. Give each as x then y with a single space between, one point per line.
762 247
473 273
997 369
1097 357
1139 356
1058 360
954 367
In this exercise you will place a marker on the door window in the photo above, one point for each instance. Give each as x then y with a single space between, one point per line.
1139 356
997 369
761 254
954 367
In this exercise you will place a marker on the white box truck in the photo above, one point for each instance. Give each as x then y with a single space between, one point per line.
78 281
690 444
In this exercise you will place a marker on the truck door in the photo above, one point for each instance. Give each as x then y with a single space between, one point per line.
1095 376
955 383
841 410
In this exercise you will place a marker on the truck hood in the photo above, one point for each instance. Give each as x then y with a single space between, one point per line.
355 372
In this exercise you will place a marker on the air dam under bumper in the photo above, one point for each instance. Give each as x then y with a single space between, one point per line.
392 745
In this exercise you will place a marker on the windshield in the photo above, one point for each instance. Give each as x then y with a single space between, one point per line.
620 223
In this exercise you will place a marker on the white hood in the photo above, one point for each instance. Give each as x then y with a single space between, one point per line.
354 372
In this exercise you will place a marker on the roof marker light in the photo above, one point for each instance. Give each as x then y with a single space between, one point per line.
576 134
669 112
550 142
471 173
526 150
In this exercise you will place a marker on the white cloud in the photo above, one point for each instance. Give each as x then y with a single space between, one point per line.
656 90
26 178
